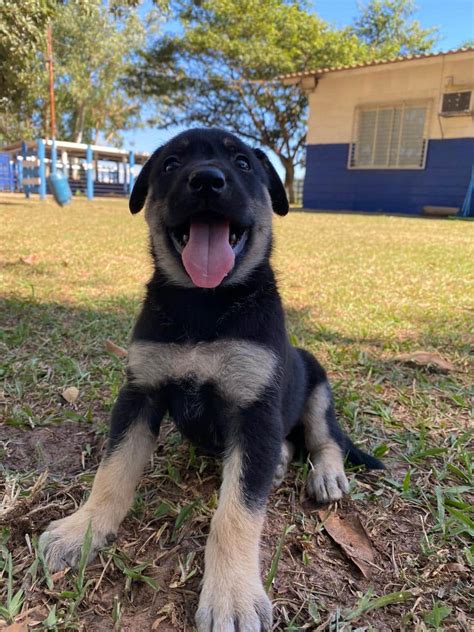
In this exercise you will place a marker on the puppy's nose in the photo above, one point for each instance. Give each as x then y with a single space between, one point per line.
206 180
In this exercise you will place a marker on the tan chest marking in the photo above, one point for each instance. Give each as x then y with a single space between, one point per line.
240 370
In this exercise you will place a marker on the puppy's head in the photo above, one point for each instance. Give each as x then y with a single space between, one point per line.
209 201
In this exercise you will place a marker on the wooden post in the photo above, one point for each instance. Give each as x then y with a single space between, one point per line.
52 109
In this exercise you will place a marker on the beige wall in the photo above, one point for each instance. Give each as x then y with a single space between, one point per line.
333 102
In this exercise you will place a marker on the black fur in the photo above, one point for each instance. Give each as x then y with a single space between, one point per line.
250 310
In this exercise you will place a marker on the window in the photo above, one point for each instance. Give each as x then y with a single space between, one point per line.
390 137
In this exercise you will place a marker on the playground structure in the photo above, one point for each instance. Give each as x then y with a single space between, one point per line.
92 170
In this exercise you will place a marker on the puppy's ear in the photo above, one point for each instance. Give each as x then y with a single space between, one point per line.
276 188
140 188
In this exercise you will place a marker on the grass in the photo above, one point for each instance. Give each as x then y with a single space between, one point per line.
358 291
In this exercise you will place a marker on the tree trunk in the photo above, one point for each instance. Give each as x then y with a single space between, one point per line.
289 178
79 123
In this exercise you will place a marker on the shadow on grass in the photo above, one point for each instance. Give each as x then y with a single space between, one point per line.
450 332
28 323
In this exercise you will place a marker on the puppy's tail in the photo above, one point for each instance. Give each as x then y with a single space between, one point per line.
356 456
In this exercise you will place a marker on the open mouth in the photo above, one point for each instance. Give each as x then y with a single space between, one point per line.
208 249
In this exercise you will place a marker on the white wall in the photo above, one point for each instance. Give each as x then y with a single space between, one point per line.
333 102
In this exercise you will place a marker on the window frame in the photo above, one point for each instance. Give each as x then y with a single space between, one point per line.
426 103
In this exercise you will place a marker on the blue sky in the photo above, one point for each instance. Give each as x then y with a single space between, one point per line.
454 18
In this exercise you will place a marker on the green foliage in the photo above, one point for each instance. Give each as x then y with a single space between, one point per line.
22 40
94 44
388 28
93 49
218 70
220 67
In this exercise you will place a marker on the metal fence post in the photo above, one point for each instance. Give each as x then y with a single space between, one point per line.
19 173
89 174
54 156
131 175
25 173
41 169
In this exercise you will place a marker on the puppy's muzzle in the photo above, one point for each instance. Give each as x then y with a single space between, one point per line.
207 180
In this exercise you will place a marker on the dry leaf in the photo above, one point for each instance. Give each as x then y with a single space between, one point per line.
70 394
455 567
111 347
16 627
30 260
426 358
349 533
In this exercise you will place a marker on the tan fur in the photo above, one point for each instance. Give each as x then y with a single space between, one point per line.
327 480
240 370
155 212
232 588
110 499
167 262
260 237
287 452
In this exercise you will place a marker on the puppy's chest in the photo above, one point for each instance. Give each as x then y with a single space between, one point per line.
238 370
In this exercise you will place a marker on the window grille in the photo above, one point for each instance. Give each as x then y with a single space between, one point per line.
390 137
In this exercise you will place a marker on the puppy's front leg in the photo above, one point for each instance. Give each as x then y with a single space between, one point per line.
233 597
134 425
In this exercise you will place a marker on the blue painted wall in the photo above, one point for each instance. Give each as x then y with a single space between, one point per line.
329 184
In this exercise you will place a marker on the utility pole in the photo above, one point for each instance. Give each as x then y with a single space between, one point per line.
52 110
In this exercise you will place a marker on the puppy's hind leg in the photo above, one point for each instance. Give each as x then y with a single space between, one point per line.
324 439
327 480
135 420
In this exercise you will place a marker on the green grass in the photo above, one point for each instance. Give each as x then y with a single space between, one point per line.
358 291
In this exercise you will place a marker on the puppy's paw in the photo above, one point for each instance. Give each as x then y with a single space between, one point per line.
63 540
287 451
226 608
328 484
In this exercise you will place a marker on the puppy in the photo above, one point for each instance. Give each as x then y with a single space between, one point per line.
210 348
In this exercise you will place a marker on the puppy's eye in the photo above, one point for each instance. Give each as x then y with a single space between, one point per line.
242 162
171 164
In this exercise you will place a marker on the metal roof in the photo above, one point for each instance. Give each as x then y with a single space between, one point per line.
79 149
380 62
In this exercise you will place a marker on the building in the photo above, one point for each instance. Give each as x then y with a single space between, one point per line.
92 170
390 136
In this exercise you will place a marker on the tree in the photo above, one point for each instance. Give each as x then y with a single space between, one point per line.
93 49
387 27
220 70
94 45
22 37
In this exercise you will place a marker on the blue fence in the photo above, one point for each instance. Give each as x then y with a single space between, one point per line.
7 178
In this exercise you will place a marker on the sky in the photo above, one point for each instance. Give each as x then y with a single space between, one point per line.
454 18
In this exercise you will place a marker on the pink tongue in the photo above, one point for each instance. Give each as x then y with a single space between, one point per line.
208 256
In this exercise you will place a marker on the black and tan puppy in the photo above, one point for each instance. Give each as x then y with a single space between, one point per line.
210 347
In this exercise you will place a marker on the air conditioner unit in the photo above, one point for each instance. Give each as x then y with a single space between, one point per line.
456 103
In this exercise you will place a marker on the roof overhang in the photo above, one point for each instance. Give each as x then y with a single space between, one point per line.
304 79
